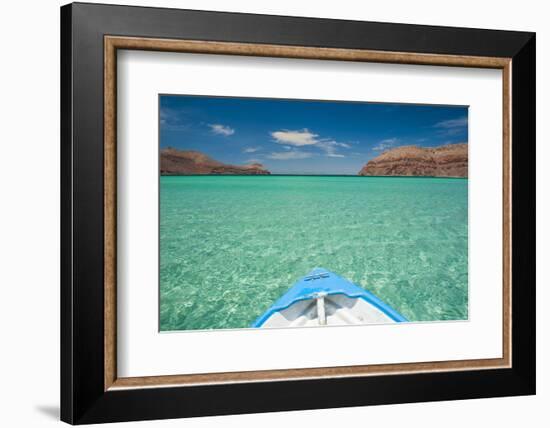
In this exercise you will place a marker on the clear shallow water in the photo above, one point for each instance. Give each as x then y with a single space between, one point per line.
231 245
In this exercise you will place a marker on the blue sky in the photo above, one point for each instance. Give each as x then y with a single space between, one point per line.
302 136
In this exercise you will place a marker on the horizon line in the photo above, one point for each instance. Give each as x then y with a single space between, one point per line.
309 175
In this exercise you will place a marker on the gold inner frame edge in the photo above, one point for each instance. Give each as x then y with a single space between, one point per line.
113 43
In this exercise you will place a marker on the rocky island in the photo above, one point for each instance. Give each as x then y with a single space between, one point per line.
444 161
191 162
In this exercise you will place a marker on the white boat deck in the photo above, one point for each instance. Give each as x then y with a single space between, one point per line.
337 309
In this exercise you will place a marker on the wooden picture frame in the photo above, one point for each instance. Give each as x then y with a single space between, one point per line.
91 390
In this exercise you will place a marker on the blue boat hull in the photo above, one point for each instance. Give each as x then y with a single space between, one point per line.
324 298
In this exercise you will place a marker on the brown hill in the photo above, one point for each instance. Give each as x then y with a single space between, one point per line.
190 162
444 161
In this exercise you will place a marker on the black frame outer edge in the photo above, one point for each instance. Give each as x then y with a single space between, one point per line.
66 369
524 213
82 397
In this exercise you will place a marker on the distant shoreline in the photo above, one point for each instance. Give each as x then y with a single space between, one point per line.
312 175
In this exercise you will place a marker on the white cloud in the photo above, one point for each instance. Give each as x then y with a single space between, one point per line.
295 154
385 144
305 137
295 138
452 123
174 120
251 149
330 148
221 129
452 127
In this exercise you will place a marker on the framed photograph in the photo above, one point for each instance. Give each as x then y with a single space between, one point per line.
257 207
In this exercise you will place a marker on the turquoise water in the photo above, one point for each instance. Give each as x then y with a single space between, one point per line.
231 245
